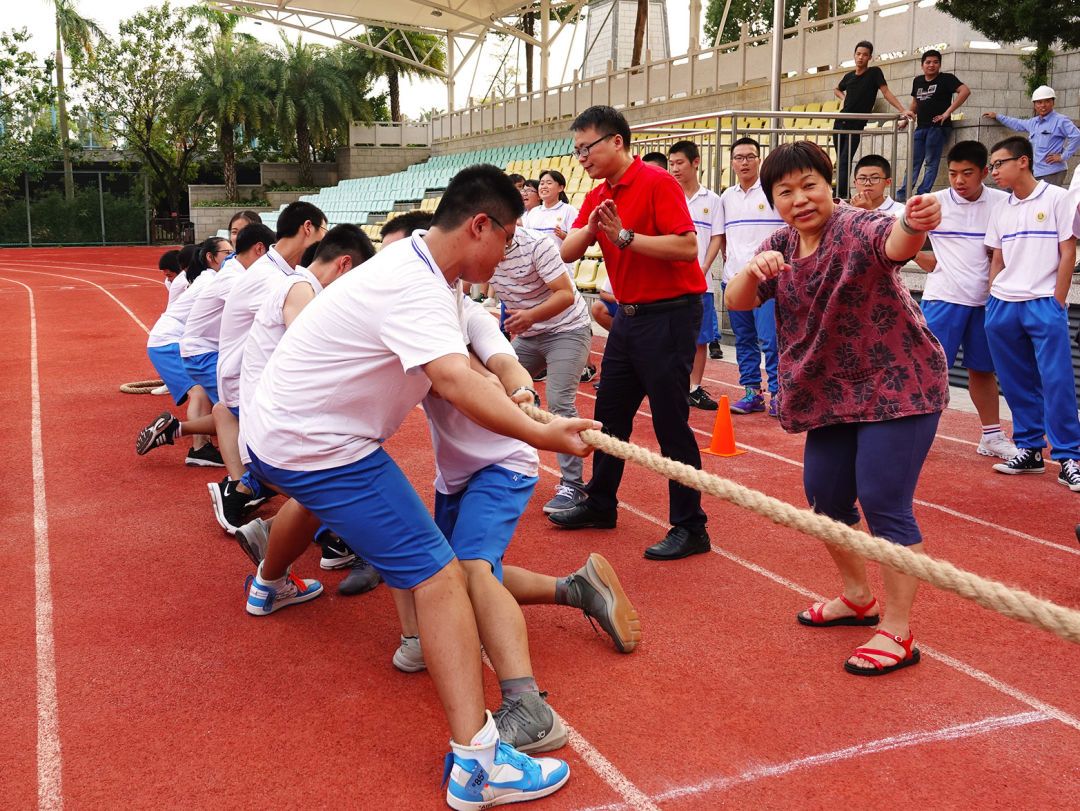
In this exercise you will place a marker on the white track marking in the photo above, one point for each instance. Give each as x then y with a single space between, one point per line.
134 317
50 794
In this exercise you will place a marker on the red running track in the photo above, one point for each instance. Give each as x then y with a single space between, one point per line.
167 694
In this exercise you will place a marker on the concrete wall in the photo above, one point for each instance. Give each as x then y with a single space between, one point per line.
208 220
371 161
213 194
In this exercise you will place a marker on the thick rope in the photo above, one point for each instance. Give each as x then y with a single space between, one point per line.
141 386
1015 603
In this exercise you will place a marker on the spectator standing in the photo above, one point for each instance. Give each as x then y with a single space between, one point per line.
1054 137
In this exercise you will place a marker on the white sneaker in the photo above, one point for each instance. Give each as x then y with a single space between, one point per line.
160 390
409 658
997 445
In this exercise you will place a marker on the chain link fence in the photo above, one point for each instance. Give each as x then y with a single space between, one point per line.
105 208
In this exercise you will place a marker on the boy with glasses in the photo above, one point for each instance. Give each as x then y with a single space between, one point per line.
873 176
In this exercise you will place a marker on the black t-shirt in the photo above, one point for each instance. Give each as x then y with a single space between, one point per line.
860 93
933 98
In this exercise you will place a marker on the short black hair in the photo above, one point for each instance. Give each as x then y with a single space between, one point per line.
250 216
875 160
797 156
1018 146
199 262
294 215
410 221
929 53
972 152
170 261
345 239
687 148
605 120
532 183
864 43
186 253
479 189
657 158
251 235
746 142
559 178
515 178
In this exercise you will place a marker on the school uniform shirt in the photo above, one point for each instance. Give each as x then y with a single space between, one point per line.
348 371
169 328
891 207
521 280
707 212
544 220
463 448
1028 232
650 202
933 98
204 321
962 275
1051 134
244 300
747 220
854 346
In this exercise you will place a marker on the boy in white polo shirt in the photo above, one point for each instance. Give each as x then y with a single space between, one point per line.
873 176
684 161
346 374
1027 322
748 219
958 282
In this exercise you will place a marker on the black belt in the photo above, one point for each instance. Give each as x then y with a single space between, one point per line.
659 306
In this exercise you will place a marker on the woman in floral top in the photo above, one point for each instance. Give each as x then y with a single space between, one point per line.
859 372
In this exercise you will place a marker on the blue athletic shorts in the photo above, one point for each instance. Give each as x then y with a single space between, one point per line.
373 508
612 307
170 366
234 410
203 370
480 520
956 325
710 327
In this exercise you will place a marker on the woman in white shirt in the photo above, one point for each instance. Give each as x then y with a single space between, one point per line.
555 216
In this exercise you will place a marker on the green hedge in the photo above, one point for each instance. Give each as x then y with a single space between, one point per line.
56 220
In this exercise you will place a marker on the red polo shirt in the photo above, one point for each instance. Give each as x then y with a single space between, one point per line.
651 202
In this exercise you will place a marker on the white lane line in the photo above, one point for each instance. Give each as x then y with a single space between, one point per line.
50 794
123 306
985 726
27 265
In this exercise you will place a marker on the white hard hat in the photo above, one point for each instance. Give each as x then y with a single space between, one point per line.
1043 92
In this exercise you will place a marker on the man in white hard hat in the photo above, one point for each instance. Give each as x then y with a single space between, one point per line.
1054 137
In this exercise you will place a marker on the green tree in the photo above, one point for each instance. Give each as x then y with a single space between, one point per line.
758 16
1043 22
28 141
410 44
230 88
76 34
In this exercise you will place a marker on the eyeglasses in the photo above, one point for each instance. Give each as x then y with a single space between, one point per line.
869 181
510 244
743 158
997 164
583 152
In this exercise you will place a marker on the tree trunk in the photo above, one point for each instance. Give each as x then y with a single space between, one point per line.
226 139
61 108
395 92
529 27
640 23
303 150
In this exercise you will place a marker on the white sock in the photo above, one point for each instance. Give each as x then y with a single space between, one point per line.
990 430
695 388
264 582
482 748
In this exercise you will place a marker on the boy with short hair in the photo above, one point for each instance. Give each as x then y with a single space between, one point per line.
958 281
873 176
1027 321
706 210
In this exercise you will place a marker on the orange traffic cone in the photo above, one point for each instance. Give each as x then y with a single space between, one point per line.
723 435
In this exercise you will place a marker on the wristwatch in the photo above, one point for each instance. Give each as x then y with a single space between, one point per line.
626 236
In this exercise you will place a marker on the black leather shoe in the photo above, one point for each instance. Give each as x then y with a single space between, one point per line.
583 517
679 543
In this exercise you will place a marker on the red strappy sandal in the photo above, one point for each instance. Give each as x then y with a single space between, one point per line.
815 620
911 657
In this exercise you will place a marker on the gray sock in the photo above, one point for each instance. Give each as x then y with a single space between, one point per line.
513 687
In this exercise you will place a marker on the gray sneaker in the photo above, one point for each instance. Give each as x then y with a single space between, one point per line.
253 537
362 578
527 723
409 658
567 496
595 589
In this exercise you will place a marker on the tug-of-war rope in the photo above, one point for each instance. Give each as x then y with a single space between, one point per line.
141 386
1015 603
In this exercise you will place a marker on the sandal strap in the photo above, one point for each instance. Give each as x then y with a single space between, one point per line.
816 612
860 610
861 653
899 640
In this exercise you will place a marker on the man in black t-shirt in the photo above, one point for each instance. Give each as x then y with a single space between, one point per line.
932 103
858 91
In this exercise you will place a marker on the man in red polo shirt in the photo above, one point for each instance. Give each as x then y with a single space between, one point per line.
639 216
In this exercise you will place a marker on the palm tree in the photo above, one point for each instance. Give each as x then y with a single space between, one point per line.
77 34
410 44
641 22
229 88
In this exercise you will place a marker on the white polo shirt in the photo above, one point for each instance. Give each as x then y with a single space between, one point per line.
177 286
747 220
244 300
348 371
890 206
1028 232
463 448
707 212
962 275
544 219
169 328
204 322
522 278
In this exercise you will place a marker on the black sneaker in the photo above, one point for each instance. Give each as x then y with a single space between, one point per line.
230 504
540 375
1027 460
159 432
588 373
335 552
206 456
699 398
1070 475
362 578
716 352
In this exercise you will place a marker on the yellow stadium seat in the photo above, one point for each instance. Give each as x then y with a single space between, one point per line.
585 276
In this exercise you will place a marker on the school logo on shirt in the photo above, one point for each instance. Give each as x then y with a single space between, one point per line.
1040 216
706 211
760 206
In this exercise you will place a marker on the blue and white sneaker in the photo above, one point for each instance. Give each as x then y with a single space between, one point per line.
515 778
266 598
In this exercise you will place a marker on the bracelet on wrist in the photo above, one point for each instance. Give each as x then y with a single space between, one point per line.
907 226
531 390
